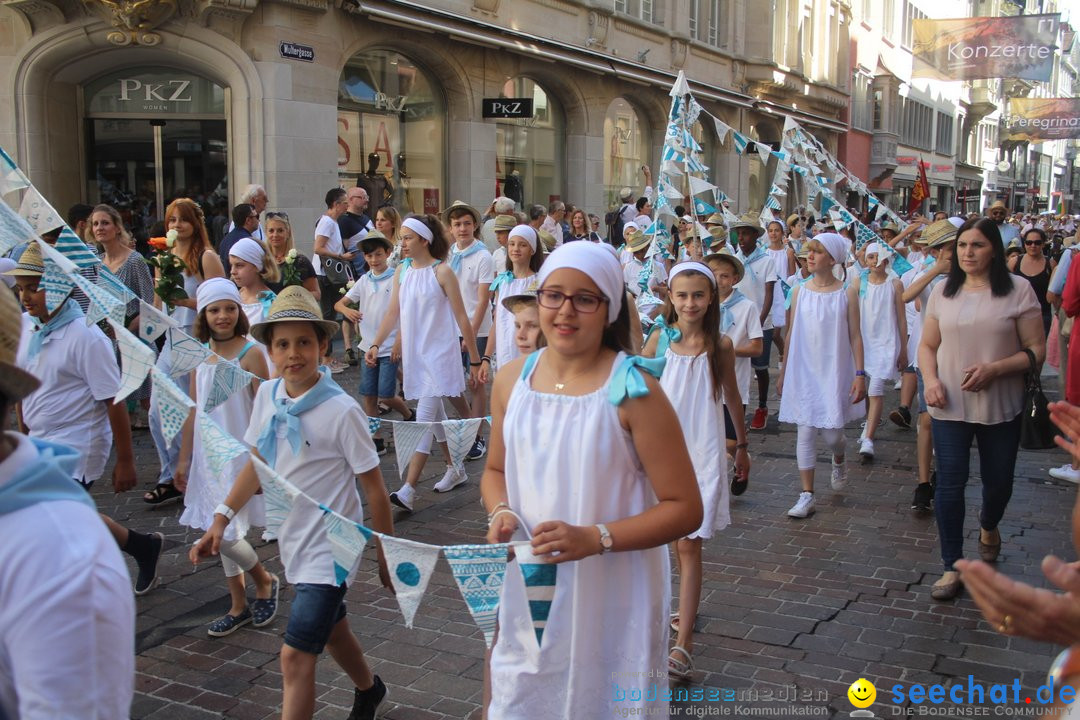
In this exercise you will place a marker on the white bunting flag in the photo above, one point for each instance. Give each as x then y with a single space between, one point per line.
410 564
697 185
347 541
11 177
680 87
479 571
102 303
722 129
229 378
173 404
13 229
460 436
187 353
218 447
407 435
278 493
37 211
136 359
115 286
152 322
764 152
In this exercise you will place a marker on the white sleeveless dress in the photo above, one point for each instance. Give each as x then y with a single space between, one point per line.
430 350
505 347
880 331
819 366
205 490
569 459
688 384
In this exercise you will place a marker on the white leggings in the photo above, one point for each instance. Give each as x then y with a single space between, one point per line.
237 557
876 388
806 444
430 409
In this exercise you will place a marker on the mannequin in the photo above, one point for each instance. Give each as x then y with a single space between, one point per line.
379 188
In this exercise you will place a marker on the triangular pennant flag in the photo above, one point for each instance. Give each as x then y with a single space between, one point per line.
13 229
186 353
826 205
48 252
703 208
218 446
373 424
668 167
347 541
722 129
279 494
152 322
460 436
740 141
697 185
672 192
790 124
680 87
656 228
173 404
37 211
57 283
407 435
764 152
479 571
873 201
773 203
102 304
75 249
539 577
136 359
410 564
114 285
777 190
11 177
229 378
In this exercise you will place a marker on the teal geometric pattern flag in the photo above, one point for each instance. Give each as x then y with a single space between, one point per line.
539 579
279 494
479 571
740 141
218 446
13 229
229 378
410 564
373 425
173 404
136 359
116 287
75 249
460 436
152 322
407 435
347 541
58 285
187 352
703 208
11 177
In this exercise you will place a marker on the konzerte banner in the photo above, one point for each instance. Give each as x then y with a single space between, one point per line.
985 47
1037 119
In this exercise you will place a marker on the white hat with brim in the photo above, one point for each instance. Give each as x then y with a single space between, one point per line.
513 303
15 383
636 240
293 304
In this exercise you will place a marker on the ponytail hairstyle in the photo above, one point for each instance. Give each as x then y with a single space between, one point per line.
439 247
710 327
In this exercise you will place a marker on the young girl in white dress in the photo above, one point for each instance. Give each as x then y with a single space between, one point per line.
251 268
699 379
221 323
884 335
823 381
427 299
586 450
524 256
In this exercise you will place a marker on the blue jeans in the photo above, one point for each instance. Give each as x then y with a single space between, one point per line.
379 381
998 447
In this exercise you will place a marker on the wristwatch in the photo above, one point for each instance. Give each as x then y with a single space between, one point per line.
606 543
225 510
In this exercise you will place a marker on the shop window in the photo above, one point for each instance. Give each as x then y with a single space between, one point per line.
626 149
529 152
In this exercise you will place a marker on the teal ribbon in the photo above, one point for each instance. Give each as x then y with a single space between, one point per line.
69 312
864 280
47 479
668 335
628 382
790 295
266 298
501 279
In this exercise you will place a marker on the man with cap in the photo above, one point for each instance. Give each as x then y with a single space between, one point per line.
1010 234
502 226
758 284
73 405
499 206
475 269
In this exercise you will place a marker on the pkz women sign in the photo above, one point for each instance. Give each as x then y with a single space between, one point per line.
293 51
986 47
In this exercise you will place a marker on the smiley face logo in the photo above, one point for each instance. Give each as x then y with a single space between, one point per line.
862 693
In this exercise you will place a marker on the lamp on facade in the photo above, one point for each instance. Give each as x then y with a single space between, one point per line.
133 20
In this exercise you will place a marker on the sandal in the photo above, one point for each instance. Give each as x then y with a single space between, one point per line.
263 610
162 494
229 624
678 669
675 622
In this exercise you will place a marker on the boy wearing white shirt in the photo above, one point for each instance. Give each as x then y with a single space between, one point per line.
637 245
758 284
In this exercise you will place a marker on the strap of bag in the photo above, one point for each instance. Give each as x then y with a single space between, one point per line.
1033 381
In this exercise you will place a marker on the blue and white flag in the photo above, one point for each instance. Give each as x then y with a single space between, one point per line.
479 571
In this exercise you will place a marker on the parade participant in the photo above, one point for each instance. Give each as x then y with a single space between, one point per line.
783 265
611 453
252 270
884 335
699 380
502 226
758 284
527 335
642 273
823 382
428 302
524 258
1035 267
324 449
279 241
981 333
223 325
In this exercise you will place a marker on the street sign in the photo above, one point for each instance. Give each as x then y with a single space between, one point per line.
292 51
507 108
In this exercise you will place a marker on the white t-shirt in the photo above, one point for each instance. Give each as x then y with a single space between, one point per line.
77 368
67 615
477 270
632 270
337 447
758 274
747 327
328 227
780 265
373 299
498 259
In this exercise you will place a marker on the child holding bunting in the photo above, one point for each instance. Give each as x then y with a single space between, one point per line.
597 594
884 335
783 265
524 256
645 277
699 380
221 323
758 284
825 359
309 431
251 269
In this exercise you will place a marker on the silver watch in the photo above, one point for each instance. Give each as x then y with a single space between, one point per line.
606 543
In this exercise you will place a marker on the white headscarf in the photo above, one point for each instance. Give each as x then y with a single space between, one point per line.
600 265
883 256
213 289
835 244
249 250
526 233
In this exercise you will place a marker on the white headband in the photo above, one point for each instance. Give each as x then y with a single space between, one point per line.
249 250
600 265
526 233
688 266
419 228
214 289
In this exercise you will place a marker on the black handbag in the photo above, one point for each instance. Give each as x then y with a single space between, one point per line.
1036 430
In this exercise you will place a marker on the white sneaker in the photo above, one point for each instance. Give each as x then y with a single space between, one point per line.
839 476
804 507
1066 472
866 449
404 497
454 476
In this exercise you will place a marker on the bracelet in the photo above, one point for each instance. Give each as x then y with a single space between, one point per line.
496 509
475 364
502 511
860 373
225 511
485 358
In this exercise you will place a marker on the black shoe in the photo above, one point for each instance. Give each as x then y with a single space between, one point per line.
477 450
412 416
380 446
350 357
924 498
901 416
148 577
366 702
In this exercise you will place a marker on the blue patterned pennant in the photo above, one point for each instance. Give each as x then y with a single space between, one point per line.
174 405
187 353
540 577
460 436
479 571
410 564
11 177
136 359
347 541
373 424
279 494
75 249
229 378
152 322
13 229
58 285
218 446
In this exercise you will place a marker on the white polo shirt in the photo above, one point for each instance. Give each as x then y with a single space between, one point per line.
632 270
337 447
328 227
477 270
747 327
373 300
757 274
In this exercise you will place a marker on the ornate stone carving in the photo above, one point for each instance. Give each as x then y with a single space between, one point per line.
678 53
133 20
598 29
224 16
39 14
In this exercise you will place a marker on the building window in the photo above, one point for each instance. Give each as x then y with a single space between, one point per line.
695 19
888 18
916 124
716 8
911 14
529 152
861 109
626 148
944 136
641 9
879 109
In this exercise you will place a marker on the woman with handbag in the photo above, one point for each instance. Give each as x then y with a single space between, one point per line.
982 332
333 266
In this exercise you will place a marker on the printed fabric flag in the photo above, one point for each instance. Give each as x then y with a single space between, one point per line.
410 565
102 303
764 152
37 211
229 378
278 493
136 359
740 141
539 579
479 571
703 208
187 353
11 177
722 129
347 541
373 424
407 435
58 284
75 249
152 322
460 436
218 446
173 404
13 229
114 286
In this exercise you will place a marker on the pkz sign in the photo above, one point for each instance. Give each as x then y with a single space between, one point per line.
292 51
505 108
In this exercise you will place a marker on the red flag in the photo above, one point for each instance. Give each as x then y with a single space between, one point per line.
920 191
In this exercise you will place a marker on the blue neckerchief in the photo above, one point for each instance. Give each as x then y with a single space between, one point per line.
287 411
501 279
864 280
668 335
645 275
627 381
376 279
457 257
69 312
266 299
47 479
928 261
727 318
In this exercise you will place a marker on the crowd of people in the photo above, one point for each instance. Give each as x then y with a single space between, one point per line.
615 361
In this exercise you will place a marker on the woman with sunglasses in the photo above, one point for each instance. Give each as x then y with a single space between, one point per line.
1035 267
280 241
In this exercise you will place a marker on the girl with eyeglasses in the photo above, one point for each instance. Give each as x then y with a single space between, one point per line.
1035 267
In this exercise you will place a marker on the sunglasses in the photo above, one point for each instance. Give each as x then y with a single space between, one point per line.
1033 242
283 216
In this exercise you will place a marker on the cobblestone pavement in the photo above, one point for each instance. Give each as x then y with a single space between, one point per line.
815 603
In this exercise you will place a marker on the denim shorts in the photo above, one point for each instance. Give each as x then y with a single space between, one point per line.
481 347
379 381
316 609
761 362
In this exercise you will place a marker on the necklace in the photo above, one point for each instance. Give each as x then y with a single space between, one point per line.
560 385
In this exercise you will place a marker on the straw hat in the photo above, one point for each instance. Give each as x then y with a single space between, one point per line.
636 239
505 223
999 204
547 239
30 264
719 235
15 383
939 233
749 221
513 303
717 218
292 304
890 225
459 205
373 240
730 259
792 219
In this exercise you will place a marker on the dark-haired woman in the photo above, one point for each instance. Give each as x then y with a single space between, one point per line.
1034 266
980 326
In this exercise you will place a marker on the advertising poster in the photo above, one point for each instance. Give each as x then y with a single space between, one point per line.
985 47
1038 119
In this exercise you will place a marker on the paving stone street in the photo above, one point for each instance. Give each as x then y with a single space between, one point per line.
815 604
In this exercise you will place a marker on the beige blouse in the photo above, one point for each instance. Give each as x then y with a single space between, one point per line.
977 327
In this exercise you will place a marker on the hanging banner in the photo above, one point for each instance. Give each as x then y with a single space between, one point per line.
985 47
1038 119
